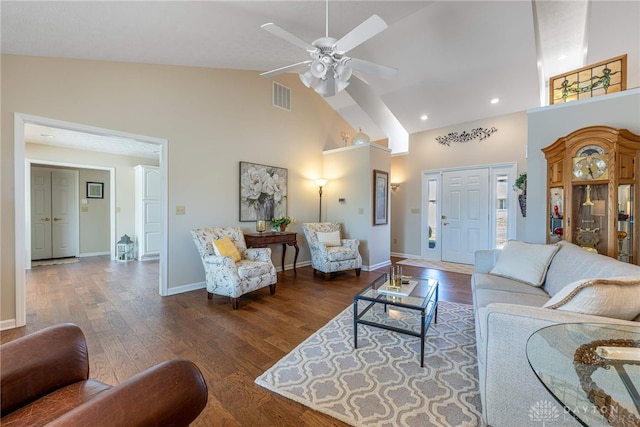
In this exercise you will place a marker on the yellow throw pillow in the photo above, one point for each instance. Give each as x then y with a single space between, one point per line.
225 247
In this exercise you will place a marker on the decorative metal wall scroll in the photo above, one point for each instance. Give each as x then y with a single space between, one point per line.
479 133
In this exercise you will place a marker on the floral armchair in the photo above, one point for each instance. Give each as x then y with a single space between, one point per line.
331 256
225 277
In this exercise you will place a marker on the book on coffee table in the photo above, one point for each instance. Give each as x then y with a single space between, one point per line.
404 291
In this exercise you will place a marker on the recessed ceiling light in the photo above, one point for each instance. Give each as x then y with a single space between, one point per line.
46 135
495 100
424 117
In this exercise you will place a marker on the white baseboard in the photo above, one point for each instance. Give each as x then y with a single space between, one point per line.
87 254
377 266
411 256
7 324
186 288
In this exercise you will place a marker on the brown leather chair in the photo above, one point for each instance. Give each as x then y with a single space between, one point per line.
44 378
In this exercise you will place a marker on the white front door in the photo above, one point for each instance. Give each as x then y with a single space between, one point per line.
54 213
465 214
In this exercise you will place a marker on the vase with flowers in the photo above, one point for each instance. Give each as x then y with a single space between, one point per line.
281 222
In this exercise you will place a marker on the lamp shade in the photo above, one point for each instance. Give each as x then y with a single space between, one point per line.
321 182
318 69
307 78
322 87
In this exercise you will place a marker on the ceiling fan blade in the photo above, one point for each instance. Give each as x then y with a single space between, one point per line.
360 34
285 35
371 68
300 66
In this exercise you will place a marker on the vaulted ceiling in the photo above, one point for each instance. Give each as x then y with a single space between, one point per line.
453 57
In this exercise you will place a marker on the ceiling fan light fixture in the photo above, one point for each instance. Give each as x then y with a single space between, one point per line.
329 69
321 87
307 78
318 69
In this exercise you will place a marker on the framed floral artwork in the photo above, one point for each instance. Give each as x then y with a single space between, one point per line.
380 197
263 192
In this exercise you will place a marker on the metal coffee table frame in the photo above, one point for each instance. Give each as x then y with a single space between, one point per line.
423 298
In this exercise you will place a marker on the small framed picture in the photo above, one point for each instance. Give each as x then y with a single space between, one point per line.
380 197
95 190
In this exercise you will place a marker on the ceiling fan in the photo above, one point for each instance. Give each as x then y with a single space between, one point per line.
329 70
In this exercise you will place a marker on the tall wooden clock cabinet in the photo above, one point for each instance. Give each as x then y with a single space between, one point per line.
592 191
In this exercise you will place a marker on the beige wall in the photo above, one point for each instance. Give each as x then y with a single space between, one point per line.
508 144
95 224
212 119
350 174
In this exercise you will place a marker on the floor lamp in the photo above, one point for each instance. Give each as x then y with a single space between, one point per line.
321 182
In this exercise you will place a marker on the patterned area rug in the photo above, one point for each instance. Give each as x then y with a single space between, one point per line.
438 265
381 383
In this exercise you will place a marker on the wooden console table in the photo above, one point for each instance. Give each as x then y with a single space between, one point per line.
262 240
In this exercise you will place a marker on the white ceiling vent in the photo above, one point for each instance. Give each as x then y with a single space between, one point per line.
281 96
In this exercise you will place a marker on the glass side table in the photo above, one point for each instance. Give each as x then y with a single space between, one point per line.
596 391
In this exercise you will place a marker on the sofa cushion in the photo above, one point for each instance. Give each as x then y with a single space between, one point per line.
330 238
225 247
498 283
617 297
484 297
572 263
248 268
525 262
341 253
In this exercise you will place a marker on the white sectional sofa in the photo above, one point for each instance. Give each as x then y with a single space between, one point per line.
508 311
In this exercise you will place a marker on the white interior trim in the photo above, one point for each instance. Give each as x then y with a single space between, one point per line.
22 168
508 168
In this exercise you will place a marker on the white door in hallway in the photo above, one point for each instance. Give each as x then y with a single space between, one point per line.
465 214
54 213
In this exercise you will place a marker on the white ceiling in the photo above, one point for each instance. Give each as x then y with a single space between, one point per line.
452 56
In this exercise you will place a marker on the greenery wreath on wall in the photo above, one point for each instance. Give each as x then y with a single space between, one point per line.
520 186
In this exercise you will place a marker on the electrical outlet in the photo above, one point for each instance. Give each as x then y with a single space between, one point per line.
395 240
361 211
84 208
415 210
180 210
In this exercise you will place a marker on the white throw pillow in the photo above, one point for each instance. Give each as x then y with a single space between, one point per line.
616 297
331 238
524 262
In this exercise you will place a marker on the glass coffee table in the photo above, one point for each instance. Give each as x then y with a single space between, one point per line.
407 311
595 390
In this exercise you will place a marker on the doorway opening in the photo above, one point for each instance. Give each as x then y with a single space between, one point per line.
54 216
466 209
22 208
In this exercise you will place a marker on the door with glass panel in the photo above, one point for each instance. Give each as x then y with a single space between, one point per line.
431 245
466 210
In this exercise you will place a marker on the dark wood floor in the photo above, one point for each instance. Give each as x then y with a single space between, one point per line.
129 327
